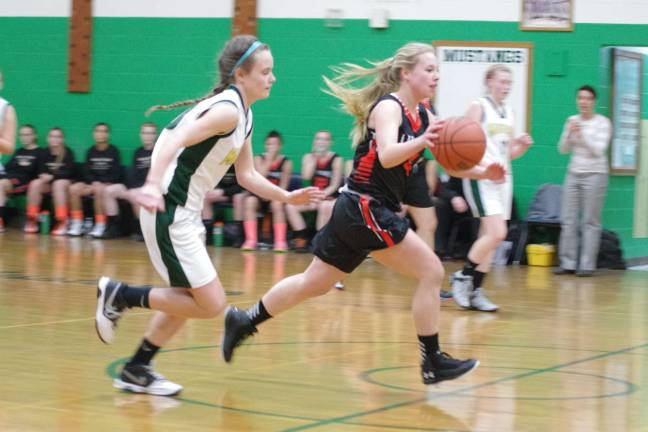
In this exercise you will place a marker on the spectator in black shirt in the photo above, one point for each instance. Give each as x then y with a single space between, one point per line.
140 168
55 171
21 169
228 190
102 168
451 207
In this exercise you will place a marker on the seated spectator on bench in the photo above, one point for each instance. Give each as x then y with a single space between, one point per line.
277 168
20 170
55 172
140 168
324 169
227 191
451 207
102 167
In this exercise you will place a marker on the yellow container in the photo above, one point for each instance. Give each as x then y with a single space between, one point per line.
541 255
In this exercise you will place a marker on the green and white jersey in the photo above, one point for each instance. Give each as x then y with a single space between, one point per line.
3 110
4 104
497 123
197 169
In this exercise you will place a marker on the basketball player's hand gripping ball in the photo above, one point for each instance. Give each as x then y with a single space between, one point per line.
461 144
431 135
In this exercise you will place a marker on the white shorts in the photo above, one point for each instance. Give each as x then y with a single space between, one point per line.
175 240
488 198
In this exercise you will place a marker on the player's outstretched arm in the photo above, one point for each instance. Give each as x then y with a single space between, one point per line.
250 179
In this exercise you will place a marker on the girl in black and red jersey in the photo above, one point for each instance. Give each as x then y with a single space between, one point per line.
323 169
55 173
21 169
277 168
392 130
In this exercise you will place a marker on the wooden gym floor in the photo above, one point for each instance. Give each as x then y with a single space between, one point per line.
563 354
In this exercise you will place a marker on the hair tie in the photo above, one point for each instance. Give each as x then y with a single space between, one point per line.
246 54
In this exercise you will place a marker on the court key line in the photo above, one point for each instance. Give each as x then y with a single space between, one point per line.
389 407
148 312
62 321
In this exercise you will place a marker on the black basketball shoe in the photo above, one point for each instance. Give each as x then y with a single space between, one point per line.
238 327
443 367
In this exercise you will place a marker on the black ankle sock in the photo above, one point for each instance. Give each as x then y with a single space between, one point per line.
137 228
429 346
301 234
144 354
478 278
469 268
135 296
258 313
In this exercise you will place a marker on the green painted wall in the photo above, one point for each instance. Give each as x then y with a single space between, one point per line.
139 62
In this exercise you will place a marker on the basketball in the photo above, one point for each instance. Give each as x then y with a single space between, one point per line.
461 144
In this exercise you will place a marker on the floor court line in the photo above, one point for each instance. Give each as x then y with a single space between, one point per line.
342 419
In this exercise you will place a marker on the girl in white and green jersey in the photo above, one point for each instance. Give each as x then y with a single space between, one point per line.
191 156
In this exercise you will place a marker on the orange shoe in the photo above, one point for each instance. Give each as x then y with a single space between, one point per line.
2 227
31 227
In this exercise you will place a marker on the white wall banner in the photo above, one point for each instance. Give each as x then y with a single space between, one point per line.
463 65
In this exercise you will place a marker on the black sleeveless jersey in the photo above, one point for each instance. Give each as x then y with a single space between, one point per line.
275 169
386 185
324 172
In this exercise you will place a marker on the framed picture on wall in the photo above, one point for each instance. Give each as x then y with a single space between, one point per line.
547 15
625 104
463 65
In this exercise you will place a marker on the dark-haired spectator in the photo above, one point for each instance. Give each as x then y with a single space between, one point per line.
451 207
323 168
102 168
277 168
20 170
586 136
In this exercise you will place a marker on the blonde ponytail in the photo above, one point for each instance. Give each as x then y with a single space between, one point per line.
357 101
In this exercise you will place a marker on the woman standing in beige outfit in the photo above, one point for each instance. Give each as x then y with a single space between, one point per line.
586 136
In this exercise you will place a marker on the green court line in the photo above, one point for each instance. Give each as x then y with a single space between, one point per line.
406 428
629 387
342 419
112 371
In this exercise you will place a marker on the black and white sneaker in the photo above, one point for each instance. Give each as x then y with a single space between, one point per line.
139 378
238 327
109 308
444 367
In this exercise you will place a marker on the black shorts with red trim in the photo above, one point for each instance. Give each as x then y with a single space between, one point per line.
18 186
417 191
358 226
231 190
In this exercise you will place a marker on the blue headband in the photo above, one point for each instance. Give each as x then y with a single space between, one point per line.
245 55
